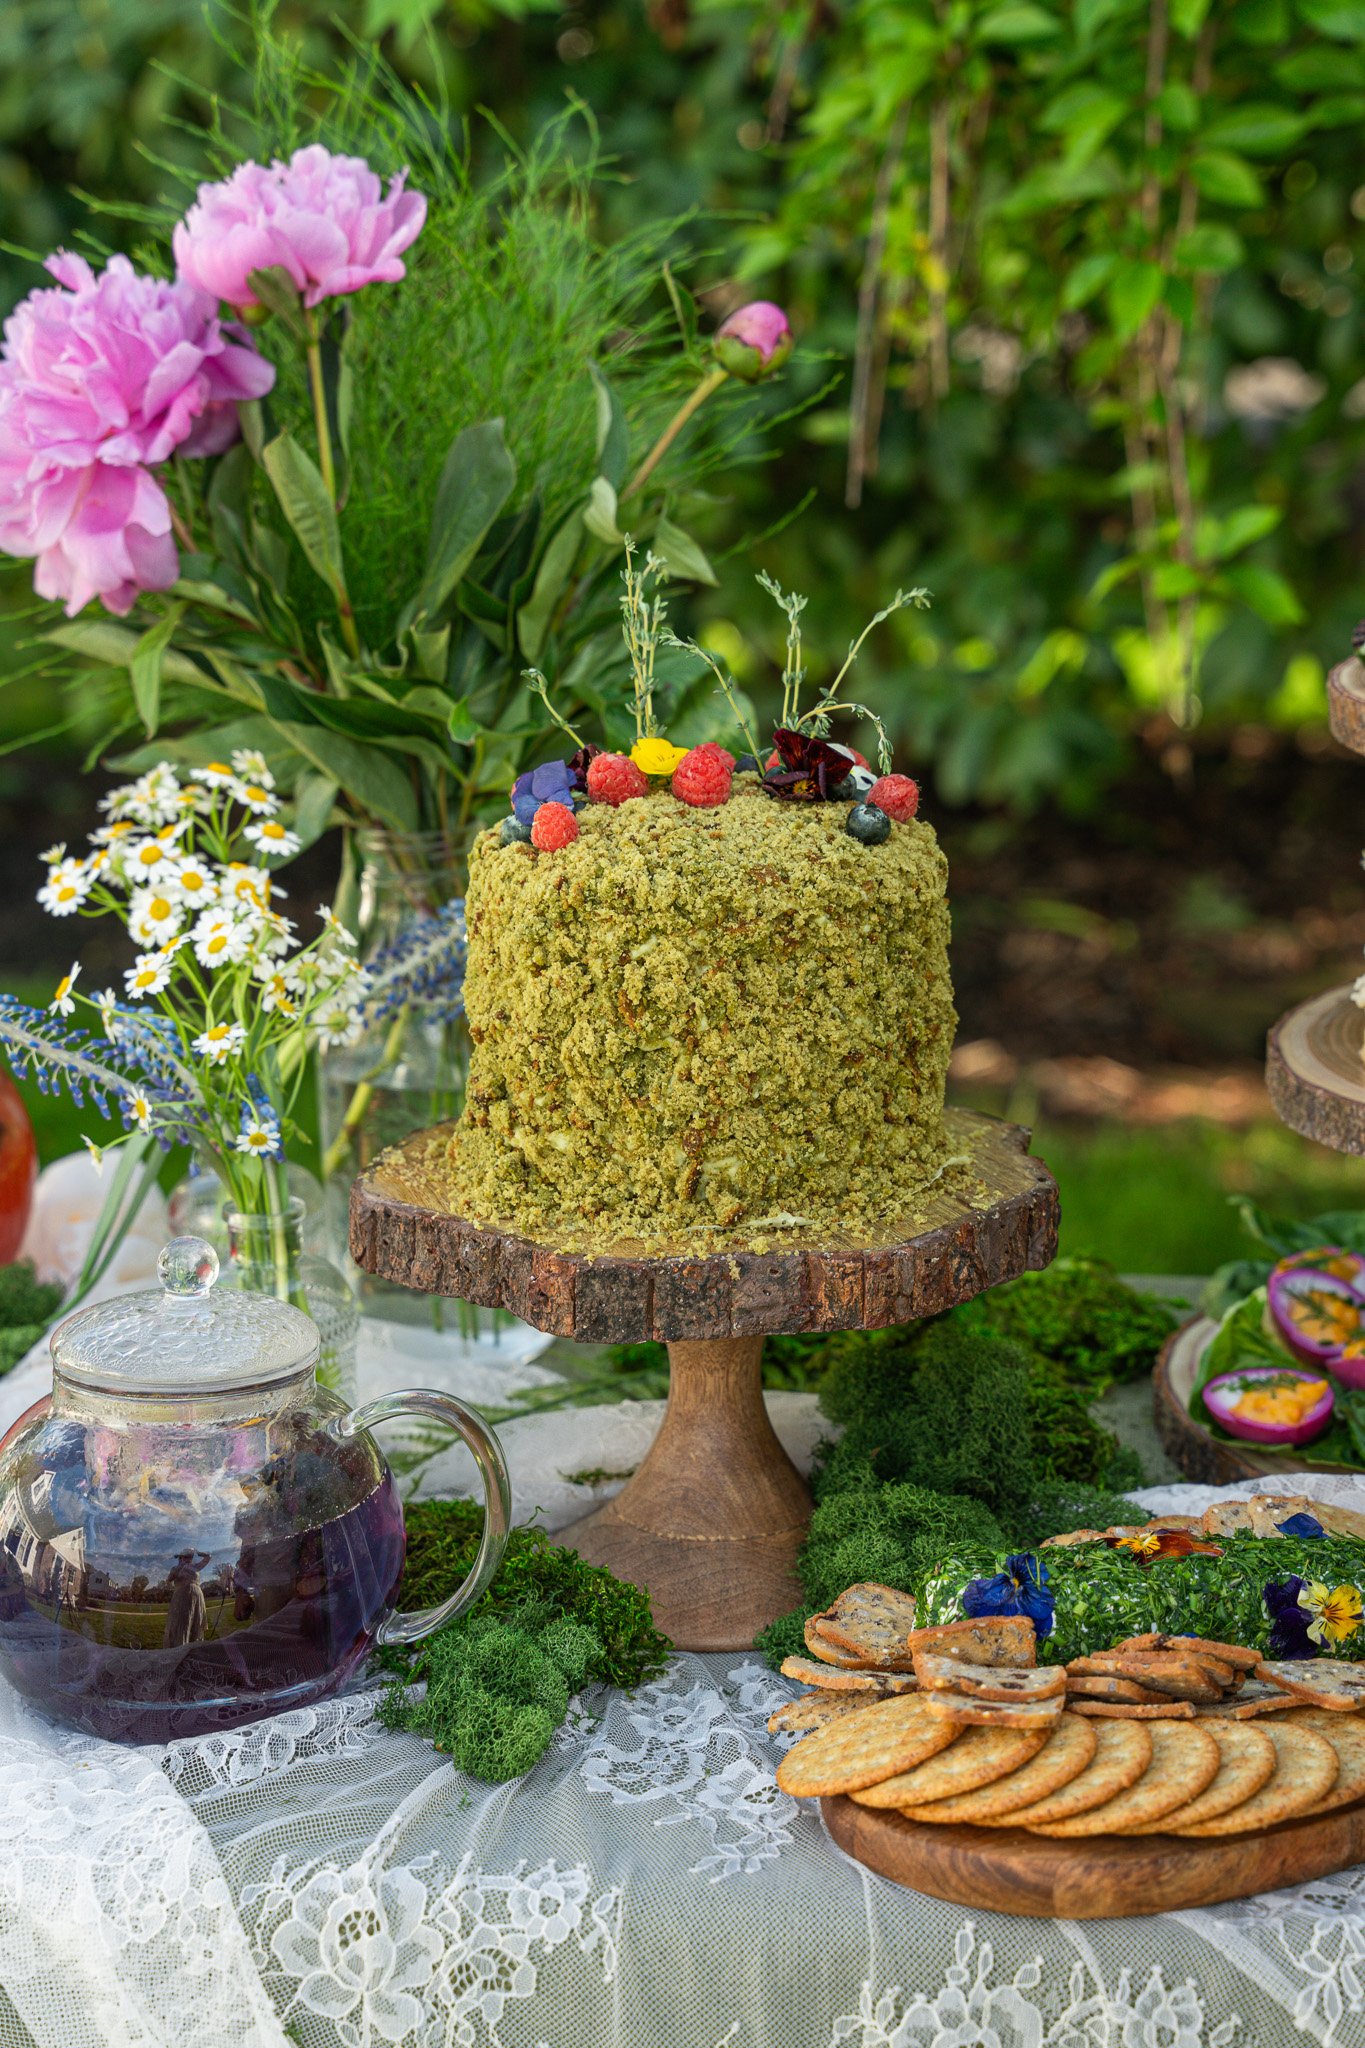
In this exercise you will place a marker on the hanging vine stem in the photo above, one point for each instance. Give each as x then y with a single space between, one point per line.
860 452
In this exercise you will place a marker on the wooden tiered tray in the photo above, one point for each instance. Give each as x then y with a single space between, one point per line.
1006 1870
712 1520
1315 1072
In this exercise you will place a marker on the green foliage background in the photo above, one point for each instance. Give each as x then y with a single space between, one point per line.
1035 241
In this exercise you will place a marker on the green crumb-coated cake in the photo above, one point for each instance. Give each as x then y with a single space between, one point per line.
699 1029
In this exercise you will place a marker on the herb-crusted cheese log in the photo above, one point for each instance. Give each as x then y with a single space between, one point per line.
1286 1596
702 1028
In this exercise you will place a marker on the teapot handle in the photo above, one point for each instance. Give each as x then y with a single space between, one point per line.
497 1492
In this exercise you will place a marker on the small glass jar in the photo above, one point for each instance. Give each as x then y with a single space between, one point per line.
267 1255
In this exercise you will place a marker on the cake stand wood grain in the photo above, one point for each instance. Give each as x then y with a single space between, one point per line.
712 1521
1315 1073
1108 1877
1346 703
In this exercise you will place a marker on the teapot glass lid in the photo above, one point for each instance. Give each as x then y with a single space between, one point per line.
186 1337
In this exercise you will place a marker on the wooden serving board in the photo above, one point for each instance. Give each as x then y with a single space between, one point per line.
1201 1456
1006 1870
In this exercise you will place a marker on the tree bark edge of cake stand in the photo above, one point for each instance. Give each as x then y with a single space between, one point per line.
606 1299
1314 1072
1346 703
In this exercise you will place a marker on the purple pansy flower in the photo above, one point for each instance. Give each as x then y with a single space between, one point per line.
1021 1588
1301 1525
551 783
1289 1621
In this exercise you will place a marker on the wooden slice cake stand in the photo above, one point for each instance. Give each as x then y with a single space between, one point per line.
712 1520
1315 1071
1346 704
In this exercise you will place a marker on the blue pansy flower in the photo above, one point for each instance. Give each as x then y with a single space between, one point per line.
1301 1525
551 783
1021 1588
1289 1621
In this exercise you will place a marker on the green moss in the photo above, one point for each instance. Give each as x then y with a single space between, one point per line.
698 1029
1060 1506
1080 1315
890 1534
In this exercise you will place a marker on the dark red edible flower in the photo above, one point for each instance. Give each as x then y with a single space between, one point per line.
580 763
811 768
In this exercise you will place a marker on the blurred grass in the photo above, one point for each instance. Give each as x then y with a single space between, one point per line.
1160 1199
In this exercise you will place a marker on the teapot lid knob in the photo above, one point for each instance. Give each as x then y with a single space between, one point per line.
187 1267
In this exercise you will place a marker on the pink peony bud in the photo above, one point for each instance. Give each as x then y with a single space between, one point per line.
324 219
101 378
754 341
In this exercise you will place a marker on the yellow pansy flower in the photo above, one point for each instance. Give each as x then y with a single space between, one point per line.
1336 1611
656 755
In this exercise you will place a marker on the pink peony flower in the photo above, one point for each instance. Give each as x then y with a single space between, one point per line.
754 341
100 378
324 219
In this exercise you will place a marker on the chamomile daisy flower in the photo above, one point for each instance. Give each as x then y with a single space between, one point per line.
270 837
66 888
137 1107
247 890
191 880
63 1003
219 939
146 860
214 775
106 1002
154 916
96 1153
154 799
276 993
333 930
337 1023
254 797
219 1042
250 764
110 835
258 1137
54 855
148 975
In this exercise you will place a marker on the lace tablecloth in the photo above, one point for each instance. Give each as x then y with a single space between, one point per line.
315 1879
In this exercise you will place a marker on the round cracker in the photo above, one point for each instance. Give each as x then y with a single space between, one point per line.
1346 1733
1247 1758
864 1748
1184 1761
1123 1750
978 1757
1306 1769
1063 1756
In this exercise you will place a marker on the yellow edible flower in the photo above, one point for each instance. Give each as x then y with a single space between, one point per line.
656 755
1336 1611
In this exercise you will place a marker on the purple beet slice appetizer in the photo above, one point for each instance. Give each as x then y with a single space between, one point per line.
1314 1312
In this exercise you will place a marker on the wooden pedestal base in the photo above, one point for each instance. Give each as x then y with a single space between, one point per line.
712 1520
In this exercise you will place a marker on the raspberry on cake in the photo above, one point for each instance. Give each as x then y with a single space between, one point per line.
553 827
703 777
897 795
614 779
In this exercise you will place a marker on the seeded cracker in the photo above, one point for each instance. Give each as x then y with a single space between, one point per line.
1306 1768
831 1678
955 1706
1005 1639
1250 1701
1123 1750
1114 1689
1064 1755
1346 1733
871 1622
1184 1762
937 1673
1122 1710
979 1756
815 1710
827 1652
1247 1760
1318 1682
864 1748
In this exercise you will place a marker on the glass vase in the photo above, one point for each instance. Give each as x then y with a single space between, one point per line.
267 1255
406 1073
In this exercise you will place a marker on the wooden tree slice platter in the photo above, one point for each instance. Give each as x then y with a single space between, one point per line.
402 1230
1006 1870
1315 1073
1346 703
713 1519
1200 1455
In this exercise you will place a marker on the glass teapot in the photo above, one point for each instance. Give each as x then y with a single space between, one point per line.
193 1532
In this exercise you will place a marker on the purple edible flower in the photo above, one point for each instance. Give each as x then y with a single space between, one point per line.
1020 1589
551 783
1301 1525
580 763
1289 1621
811 770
